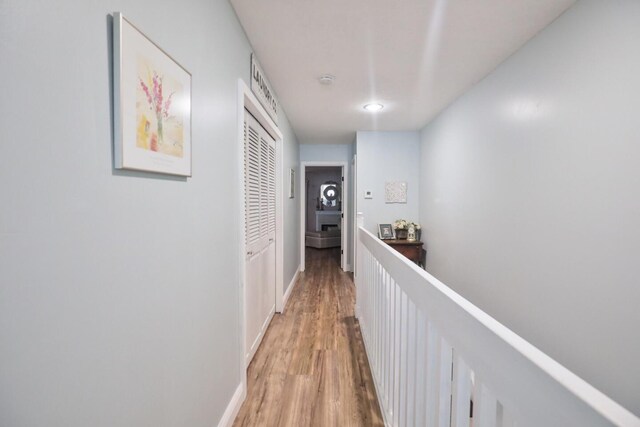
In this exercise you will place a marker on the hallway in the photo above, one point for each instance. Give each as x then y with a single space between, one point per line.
311 368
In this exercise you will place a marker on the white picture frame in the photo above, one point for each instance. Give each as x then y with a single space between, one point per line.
386 232
152 105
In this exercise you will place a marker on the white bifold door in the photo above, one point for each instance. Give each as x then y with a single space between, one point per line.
260 231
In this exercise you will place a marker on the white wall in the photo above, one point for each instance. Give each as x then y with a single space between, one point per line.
326 152
335 153
119 294
530 194
387 157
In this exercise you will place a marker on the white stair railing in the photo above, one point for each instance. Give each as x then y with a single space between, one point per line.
434 355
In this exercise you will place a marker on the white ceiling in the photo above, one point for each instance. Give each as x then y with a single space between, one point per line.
413 56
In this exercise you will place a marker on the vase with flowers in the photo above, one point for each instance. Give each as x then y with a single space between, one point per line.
158 105
402 227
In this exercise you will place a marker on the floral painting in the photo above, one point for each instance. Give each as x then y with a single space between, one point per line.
152 105
159 127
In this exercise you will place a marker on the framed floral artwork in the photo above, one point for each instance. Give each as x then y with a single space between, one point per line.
152 105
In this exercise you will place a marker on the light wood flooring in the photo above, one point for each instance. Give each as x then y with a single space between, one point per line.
311 368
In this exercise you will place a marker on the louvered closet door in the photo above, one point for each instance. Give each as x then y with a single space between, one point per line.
271 214
260 188
269 256
252 184
264 192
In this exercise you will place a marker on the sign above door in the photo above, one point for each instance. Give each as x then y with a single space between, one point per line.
261 87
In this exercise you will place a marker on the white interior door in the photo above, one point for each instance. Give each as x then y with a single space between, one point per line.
343 230
354 210
260 232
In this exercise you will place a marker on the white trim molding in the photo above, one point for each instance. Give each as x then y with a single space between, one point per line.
256 343
292 284
345 209
233 407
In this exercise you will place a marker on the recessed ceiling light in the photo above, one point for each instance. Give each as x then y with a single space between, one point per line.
326 79
373 108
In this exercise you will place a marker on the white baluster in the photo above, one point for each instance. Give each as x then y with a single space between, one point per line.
412 340
461 400
397 312
484 406
421 369
404 374
389 343
505 417
385 339
433 378
374 316
444 397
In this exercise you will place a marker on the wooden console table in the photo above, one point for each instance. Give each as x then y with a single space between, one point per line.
412 250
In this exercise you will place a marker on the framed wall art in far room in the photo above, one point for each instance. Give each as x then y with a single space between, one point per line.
292 183
152 105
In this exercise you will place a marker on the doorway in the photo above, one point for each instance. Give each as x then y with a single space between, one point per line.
323 208
261 297
260 230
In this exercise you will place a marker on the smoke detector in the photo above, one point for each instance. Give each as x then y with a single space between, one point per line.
326 79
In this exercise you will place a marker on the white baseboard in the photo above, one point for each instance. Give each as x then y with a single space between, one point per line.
289 289
349 268
233 408
256 344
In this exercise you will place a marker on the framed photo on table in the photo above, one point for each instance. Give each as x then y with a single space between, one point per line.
386 232
152 105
